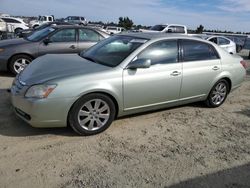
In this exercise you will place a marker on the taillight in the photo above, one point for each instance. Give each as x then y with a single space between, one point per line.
244 64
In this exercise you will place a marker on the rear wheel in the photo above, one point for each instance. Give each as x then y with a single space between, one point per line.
92 114
18 63
17 31
218 94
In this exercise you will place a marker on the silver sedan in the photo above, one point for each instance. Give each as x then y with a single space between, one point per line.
122 75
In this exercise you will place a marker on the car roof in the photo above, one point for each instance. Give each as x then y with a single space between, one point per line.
149 36
71 26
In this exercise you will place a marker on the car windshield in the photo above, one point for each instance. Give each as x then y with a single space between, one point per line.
38 35
112 51
158 27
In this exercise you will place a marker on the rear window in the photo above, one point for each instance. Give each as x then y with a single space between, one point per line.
198 51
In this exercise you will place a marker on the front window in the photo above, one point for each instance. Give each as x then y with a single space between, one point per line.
158 27
112 51
64 35
163 52
38 35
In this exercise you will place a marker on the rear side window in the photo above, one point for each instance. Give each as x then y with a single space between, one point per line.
162 52
89 35
197 51
223 41
177 29
9 20
180 29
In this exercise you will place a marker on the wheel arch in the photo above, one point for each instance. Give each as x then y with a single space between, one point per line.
229 83
97 92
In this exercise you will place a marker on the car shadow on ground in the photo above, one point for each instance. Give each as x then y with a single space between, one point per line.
237 177
11 125
245 112
6 74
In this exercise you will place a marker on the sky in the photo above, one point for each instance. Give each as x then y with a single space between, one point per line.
233 15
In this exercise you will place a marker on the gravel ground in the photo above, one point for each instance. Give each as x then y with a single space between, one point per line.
187 146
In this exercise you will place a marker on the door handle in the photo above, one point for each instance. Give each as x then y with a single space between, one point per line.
175 73
72 47
216 68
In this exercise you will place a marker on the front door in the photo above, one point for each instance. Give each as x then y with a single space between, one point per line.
61 42
158 84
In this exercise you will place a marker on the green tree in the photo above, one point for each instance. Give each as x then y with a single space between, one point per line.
200 29
125 22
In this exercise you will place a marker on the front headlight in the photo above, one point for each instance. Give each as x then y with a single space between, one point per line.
39 91
1 49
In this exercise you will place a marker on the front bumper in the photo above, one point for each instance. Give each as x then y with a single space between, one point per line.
42 112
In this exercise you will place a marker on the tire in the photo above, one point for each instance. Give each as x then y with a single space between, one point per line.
35 26
218 94
92 114
17 30
18 63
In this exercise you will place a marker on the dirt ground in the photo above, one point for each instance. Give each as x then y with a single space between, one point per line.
187 146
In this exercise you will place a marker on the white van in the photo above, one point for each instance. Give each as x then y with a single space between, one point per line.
114 30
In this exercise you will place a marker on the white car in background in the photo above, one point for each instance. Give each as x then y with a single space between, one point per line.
3 26
167 28
224 43
15 24
114 30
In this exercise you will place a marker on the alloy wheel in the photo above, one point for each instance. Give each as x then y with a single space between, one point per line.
94 114
20 64
219 93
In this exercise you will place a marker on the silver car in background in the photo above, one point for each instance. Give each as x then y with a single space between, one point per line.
122 75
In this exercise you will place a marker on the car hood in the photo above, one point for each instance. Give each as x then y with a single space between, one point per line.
11 42
56 66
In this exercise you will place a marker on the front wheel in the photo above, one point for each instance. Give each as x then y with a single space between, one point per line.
218 94
18 63
92 114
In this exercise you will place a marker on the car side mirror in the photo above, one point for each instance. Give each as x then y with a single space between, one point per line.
47 41
139 64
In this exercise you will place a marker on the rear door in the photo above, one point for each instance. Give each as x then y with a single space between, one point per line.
87 38
201 65
63 41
